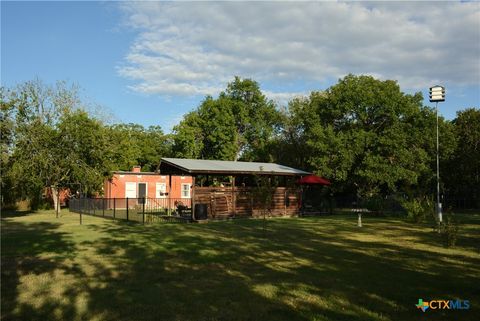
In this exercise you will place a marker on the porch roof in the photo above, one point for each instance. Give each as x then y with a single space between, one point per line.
216 167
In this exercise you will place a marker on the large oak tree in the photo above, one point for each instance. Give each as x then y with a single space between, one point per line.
239 124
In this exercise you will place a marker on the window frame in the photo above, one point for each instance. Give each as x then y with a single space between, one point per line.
182 190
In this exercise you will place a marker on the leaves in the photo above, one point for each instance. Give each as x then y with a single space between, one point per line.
239 124
132 144
462 170
49 140
364 134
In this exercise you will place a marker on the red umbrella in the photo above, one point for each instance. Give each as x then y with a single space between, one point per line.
313 180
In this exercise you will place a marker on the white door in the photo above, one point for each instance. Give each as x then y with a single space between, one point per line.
161 190
131 190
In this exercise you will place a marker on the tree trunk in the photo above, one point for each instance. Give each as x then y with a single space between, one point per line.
56 200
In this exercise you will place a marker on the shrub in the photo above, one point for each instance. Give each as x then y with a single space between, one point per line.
418 208
449 230
389 204
375 204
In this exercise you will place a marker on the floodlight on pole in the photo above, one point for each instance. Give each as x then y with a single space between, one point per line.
437 94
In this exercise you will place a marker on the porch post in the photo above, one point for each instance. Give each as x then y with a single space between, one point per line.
169 199
192 195
143 211
234 205
286 201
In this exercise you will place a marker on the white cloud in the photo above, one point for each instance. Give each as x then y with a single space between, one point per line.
282 98
196 48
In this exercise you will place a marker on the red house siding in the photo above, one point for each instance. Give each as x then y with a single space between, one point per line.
63 195
116 187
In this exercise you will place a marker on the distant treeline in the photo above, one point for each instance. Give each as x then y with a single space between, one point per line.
365 135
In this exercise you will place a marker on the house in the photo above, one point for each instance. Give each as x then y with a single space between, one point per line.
224 189
63 196
149 185
201 189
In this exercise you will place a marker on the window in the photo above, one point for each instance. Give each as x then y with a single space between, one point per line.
186 190
161 190
131 190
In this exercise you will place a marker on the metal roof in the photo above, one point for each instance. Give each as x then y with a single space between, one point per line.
201 166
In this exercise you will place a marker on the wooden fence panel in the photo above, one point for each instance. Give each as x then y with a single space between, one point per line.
225 202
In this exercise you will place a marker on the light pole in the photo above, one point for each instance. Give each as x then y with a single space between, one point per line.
437 94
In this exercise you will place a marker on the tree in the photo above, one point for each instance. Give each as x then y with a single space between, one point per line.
366 135
218 129
132 144
155 146
288 146
36 108
188 137
256 118
54 143
239 124
462 172
263 196
34 161
426 125
124 150
83 146
7 127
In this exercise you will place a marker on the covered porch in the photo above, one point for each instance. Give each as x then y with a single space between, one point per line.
226 189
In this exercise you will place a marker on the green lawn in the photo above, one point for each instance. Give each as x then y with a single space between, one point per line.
322 268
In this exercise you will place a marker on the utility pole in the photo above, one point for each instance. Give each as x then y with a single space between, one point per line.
437 94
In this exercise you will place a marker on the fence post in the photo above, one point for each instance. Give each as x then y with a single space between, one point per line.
94 207
57 208
127 209
143 212
103 207
114 207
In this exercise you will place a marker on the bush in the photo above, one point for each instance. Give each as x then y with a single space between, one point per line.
381 205
418 208
26 205
449 230
375 204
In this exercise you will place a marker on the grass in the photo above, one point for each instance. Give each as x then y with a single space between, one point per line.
319 268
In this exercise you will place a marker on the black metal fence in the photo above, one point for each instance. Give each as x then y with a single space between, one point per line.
143 210
461 203
393 204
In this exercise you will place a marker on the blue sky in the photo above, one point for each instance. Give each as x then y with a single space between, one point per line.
150 62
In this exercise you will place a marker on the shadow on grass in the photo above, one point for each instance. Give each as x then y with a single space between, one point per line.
308 269
23 248
208 268
15 213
